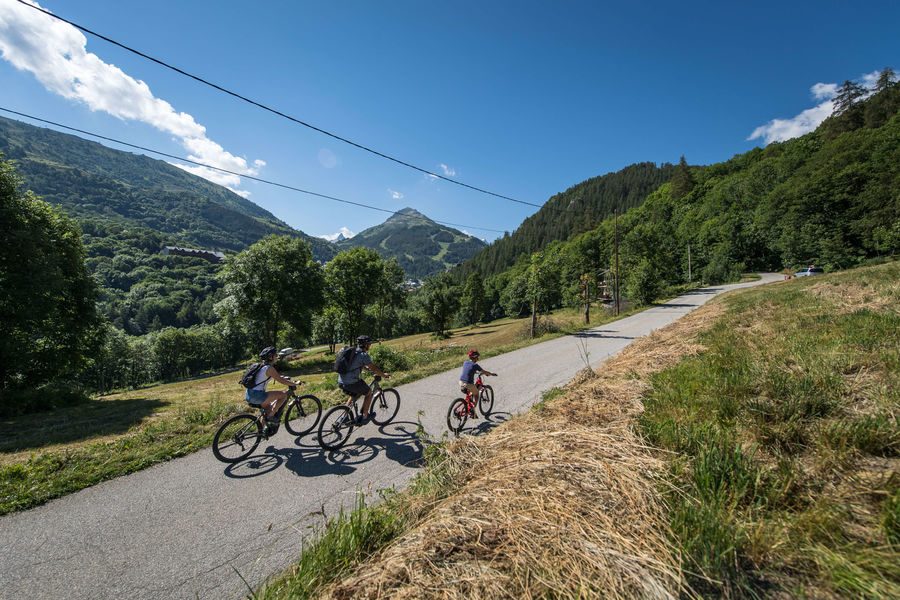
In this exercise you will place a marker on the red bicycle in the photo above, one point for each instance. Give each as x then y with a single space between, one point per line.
463 408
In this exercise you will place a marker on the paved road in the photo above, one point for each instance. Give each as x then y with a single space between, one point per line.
186 528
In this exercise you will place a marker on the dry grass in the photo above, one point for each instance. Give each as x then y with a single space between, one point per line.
561 502
846 297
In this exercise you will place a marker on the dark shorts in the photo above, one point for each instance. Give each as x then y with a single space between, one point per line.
360 388
255 397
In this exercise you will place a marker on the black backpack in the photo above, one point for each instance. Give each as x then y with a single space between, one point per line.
343 359
248 379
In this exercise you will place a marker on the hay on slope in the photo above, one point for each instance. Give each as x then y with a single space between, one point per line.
562 501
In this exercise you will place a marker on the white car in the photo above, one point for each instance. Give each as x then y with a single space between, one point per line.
809 271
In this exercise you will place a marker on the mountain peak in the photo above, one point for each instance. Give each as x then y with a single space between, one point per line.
407 212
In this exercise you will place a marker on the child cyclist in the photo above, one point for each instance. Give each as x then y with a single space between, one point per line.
467 377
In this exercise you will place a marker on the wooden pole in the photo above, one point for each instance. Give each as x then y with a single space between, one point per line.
690 279
616 226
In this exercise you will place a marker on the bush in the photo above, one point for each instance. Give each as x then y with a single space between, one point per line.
40 399
390 359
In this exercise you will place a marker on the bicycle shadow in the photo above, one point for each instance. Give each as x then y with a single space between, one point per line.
485 424
306 458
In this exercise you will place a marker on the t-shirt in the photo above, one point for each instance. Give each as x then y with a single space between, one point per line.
262 379
469 370
360 359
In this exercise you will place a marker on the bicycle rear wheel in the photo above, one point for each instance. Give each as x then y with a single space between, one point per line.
486 400
237 438
457 416
335 428
386 404
302 414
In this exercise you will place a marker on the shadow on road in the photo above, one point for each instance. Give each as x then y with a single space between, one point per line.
600 334
485 424
398 442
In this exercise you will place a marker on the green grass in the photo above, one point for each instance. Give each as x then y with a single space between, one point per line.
56 453
786 444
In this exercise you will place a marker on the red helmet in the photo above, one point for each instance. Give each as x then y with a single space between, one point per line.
473 353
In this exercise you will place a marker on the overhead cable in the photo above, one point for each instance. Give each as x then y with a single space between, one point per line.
251 177
273 110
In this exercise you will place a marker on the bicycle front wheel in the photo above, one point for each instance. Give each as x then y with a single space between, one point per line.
386 404
486 400
457 416
237 438
302 414
335 428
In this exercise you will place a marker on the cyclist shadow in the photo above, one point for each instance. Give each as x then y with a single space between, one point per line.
485 424
398 441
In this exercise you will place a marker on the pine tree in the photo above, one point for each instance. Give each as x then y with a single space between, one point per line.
682 180
848 96
886 79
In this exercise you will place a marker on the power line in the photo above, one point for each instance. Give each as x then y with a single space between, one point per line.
273 110
259 179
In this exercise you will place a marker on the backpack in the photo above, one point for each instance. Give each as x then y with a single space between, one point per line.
248 379
344 359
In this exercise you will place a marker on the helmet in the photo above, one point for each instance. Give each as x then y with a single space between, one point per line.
473 353
267 352
363 340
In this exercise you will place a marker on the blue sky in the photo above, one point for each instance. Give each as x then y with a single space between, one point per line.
521 98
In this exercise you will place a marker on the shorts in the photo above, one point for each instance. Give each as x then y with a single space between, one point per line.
256 397
468 387
357 388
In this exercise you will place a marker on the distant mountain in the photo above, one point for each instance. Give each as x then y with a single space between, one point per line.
90 181
340 238
576 210
421 246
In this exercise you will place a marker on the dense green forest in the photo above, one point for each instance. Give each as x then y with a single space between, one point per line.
576 210
421 246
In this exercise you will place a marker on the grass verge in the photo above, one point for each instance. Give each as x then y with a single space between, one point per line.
784 441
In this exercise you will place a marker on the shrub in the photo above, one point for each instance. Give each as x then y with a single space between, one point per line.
390 359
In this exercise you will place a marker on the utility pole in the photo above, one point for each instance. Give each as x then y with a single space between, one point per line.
616 227
689 263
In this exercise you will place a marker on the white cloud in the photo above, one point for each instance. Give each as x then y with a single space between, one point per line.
395 194
780 130
824 91
342 231
448 170
431 177
56 54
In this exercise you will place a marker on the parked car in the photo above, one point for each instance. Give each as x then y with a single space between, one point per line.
810 271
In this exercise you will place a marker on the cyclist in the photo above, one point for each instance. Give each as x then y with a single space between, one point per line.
270 402
467 377
351 383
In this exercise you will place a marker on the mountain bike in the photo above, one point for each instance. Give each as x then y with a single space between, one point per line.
239 436
463 408
338 423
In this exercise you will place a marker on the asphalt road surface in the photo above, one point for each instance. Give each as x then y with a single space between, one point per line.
196 528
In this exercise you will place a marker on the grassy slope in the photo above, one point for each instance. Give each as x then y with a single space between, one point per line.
46 456
786 437
779 407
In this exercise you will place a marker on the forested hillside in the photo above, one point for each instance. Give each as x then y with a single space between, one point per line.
576 210
89 180
421 246
830 198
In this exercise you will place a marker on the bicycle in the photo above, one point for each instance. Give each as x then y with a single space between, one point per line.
239 436
462 408
338 423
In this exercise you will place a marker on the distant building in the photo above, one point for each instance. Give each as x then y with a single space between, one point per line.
211 256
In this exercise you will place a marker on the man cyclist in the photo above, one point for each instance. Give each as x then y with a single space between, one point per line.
351 383
257 395
467 377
